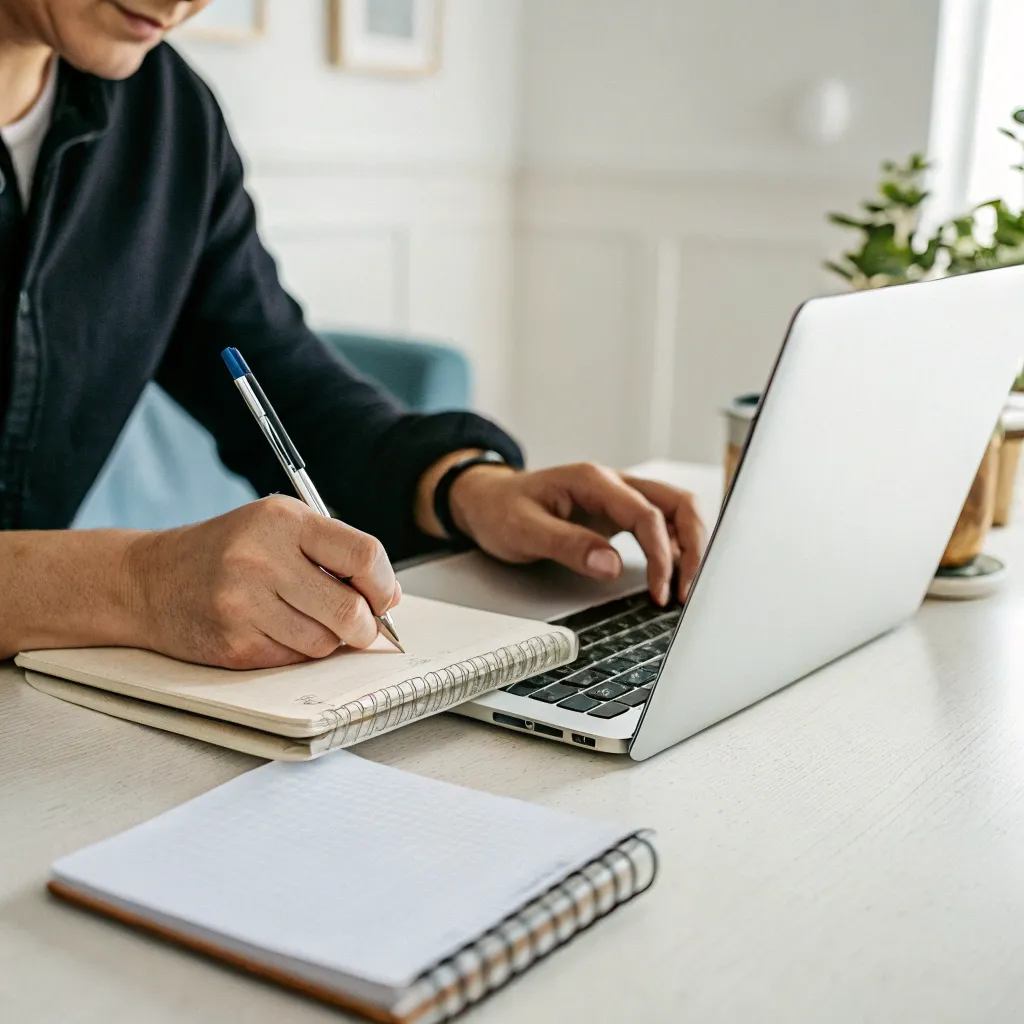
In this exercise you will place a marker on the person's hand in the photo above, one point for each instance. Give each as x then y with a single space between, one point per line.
567 514
245 590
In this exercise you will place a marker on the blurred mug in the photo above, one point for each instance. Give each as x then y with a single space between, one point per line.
738 416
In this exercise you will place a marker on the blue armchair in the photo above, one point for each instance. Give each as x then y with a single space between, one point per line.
164 471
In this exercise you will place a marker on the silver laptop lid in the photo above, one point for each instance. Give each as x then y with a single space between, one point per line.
868 438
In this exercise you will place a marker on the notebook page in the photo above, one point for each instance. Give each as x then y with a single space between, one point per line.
343 863
296 700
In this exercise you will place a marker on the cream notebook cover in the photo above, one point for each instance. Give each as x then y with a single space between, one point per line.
403 898
302 711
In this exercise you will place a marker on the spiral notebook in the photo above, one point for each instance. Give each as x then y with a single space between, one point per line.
403 898
302 711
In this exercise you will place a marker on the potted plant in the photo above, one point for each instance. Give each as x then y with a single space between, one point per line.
893 250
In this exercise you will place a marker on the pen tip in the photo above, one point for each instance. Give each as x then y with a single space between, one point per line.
387 627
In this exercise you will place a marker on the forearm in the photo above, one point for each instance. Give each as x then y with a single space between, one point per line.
66 588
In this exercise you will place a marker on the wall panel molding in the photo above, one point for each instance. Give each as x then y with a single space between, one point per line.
403 250
693 312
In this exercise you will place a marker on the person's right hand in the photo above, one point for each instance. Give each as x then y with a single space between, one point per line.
245 590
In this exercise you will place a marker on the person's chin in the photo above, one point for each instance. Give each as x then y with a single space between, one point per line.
113 60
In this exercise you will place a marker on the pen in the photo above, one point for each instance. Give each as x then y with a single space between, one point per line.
287 455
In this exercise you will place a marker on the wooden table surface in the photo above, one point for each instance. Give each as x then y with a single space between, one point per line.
851 849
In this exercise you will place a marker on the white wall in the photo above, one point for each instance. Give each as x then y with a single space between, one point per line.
387 202
670 218
603 202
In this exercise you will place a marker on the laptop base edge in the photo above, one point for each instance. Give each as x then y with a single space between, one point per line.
582 740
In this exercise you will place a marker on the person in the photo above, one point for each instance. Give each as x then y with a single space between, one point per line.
129 253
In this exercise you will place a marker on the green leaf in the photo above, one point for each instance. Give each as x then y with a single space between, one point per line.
927 259
964 226
837 269
1018 116
1009 234
847 222
1008 134
910 196
880 256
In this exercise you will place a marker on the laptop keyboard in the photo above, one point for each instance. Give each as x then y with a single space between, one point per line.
622 645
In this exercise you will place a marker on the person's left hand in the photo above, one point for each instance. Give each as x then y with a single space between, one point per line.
568 513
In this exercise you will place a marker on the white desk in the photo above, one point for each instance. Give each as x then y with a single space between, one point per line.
851 849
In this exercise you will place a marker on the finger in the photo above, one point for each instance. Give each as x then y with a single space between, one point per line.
542 535
352 555
691 546
602 492
333 605
690 534
300 633
255 650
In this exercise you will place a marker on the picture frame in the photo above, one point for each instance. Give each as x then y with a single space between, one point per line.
228 21
386 37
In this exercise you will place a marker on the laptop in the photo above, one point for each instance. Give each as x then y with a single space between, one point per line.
863 449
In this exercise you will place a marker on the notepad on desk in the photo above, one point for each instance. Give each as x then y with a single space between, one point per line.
400 897
302 711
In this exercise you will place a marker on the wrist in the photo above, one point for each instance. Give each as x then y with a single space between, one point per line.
426 517
137 572
471 492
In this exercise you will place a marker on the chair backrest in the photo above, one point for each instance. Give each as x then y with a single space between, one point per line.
164 470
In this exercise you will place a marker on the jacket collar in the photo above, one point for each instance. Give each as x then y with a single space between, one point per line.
82 105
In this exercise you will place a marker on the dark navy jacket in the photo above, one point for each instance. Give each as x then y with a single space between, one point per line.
139 260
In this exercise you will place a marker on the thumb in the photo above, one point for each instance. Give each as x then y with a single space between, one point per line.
582 550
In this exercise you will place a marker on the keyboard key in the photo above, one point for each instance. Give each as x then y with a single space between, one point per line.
638 676
588 677
595 633
603 671
635 698
661 645
632 618
553 694
632 657
524 689
615 665
609 710
591 616
541 680
561 673
648 632
651 650
606 691
579 702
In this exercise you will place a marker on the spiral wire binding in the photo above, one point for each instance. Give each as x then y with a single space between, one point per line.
544 924
394 706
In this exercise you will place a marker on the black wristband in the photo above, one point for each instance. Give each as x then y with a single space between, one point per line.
442 492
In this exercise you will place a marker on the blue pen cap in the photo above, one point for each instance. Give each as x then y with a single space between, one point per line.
235 363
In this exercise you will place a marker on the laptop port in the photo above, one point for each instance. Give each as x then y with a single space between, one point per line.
519 723
546 730
587 741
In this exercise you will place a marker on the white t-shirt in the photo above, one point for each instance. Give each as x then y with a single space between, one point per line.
24 138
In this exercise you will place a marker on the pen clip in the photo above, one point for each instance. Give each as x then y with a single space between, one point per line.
294 459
